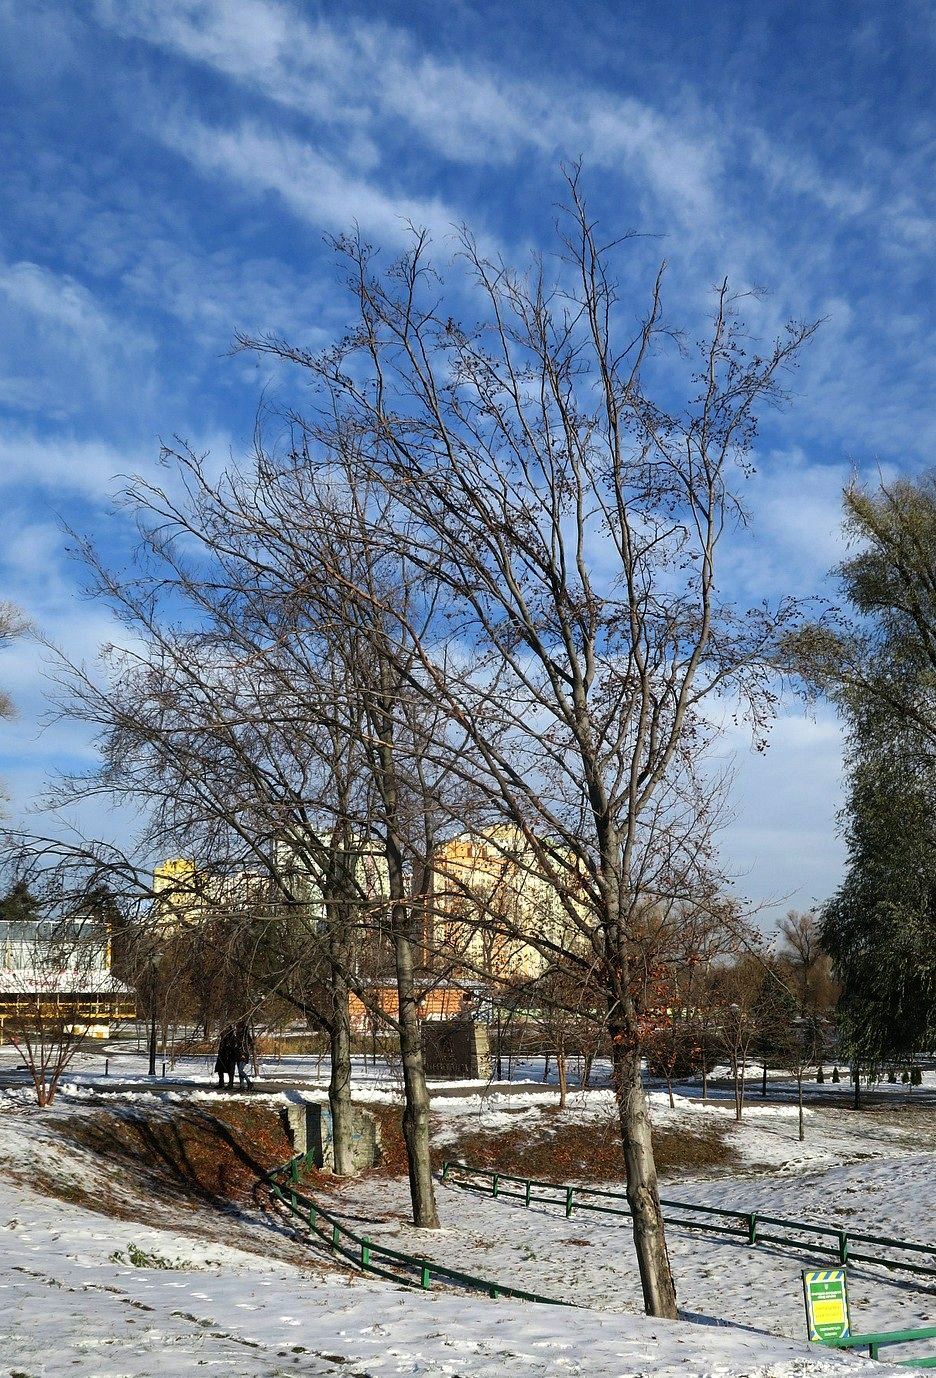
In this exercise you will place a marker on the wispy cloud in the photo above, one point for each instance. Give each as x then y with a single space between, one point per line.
58 341
357 77
310 184
58 300
64 465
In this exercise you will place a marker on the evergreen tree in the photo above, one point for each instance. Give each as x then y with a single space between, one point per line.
19 905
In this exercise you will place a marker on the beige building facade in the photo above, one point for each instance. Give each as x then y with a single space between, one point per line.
496 912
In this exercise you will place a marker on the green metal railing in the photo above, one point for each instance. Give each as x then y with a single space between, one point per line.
368 1255
874 1343
748 1226
395 1265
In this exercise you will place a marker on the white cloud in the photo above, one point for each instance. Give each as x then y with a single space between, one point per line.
783 840
38 575
61 465
59 300
797 172
59 303
64 464
315 188
59 344
794 536
357 75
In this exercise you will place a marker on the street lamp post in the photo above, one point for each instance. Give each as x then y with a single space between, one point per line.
152 1029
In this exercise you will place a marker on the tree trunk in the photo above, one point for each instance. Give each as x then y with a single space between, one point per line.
736 1078
563 1078
799 1101
656 1277
656 1274
586 1077
405 942
339 1082
416 1110
669 1087
151 1071
415 1094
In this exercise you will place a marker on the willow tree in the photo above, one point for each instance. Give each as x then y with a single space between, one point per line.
876 659
572 514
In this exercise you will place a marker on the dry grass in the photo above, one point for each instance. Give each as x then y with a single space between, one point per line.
205 1166
557 1148
186 1156
561 1150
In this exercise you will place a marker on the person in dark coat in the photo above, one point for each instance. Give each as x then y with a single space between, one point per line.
243 1053
226 1060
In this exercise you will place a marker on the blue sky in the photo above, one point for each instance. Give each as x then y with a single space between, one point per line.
171 169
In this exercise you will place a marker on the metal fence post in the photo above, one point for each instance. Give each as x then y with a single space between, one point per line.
752 1228
424 1276
365 1252
569 1191
526 1200
843 1246
336 1236
495 1181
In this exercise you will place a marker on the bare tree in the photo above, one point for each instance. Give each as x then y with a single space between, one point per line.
809 965
801 1045
737 991
231 738
574 521
277 736
12 625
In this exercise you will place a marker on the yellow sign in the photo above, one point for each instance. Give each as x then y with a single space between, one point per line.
825 1292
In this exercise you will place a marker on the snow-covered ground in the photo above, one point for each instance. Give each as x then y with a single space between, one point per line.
71 1302
589 1258
235 1301
126 1060
765 1139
